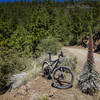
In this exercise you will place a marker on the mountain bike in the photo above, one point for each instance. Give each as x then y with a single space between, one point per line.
62 76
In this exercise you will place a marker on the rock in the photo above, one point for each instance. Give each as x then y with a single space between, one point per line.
17 80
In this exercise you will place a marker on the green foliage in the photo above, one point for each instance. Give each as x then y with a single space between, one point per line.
10 63
21 40
33 68
32 28
70 61
44 98
49 44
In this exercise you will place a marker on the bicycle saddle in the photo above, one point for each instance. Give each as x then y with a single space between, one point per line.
49 52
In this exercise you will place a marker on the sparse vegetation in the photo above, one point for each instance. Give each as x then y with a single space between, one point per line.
50 44
70 61
33 68
44 98
10 63
26 30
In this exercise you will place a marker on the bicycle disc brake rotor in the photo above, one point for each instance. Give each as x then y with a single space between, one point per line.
61 78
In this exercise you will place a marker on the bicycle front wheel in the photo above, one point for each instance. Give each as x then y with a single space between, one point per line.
62 77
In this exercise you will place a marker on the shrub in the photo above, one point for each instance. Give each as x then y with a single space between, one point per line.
10 62
70 61
49 44
34 67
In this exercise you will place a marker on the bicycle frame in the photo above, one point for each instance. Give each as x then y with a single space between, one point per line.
53 62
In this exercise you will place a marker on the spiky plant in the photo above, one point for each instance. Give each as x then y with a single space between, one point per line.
90 58
89 78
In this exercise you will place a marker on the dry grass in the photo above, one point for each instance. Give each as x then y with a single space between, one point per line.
32 71
70 61
34 67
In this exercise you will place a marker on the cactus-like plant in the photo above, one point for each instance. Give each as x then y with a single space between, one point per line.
89 78
90 58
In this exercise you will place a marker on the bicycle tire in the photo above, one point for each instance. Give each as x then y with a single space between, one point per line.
46 74
60 86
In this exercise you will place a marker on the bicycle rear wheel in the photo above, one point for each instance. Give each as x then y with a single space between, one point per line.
46 70
62 78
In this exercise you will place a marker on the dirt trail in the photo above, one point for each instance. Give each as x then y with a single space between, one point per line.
81 54
41 85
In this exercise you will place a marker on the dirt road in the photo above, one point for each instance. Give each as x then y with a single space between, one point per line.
81 55
42 86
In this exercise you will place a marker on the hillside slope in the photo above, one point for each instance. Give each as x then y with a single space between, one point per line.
40 86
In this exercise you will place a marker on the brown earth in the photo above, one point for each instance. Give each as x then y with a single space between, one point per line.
39 86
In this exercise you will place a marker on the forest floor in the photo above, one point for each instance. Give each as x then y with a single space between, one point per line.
40 86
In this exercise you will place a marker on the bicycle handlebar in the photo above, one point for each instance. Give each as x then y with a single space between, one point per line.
60 55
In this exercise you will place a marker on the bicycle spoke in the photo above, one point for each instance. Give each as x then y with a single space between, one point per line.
63 77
